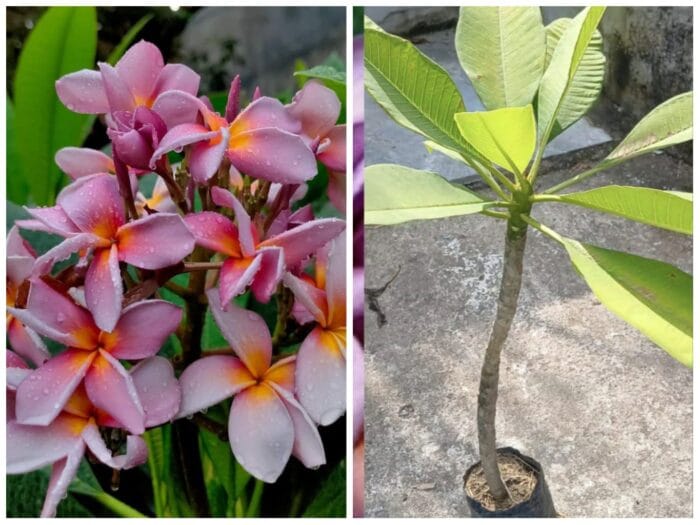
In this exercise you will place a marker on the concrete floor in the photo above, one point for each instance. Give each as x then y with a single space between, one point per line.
606 412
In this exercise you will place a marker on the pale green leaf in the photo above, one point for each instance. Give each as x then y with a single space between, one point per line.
431 147
395 194
502 51
415 91
668 124
588 79
558 78
653 296
505 136
63 41
663 209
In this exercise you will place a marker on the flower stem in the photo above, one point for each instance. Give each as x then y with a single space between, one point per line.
120 508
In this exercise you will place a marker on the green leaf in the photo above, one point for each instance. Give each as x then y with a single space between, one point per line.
63 41
17 189
395 194
128 38
558 78
502 51
329 502
505 136
588 79
25 497
668 124
653 296
670 210
415 91
219 469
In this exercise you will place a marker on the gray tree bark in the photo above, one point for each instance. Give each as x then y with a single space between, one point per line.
488 386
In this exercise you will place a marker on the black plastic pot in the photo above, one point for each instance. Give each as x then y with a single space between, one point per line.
539 505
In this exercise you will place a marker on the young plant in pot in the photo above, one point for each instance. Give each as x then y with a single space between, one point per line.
534 82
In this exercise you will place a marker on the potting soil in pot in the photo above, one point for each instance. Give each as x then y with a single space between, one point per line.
518 476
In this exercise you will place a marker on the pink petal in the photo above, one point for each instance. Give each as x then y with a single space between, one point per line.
336 190
177 77
155 241
62 474
265 112
269 275
320 376
31 447
205 157
261 432
272 154
235 276
111 389
245 331
233 100
308 447
54 219
142 329
210 380
333 154
136 449
118 93
305 239
335 275
181 136
158 390
27 343
94 204
64 250
178 107
83 92
80 162
246 232
317 107
282 373
43 394
312 298
56 316
16 246
103 288
215 232
139 68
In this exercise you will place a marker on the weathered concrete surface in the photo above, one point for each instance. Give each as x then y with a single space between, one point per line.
606 412
386 141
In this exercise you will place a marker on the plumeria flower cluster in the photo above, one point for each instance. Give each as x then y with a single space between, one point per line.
228 216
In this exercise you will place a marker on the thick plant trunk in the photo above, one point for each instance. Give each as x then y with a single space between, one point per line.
488 386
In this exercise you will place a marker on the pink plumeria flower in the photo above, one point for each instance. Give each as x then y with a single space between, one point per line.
17 370
261 141
318 108
251 261
90 213
320 373
266 423
92 356
64 441
20 260
135 81
135 135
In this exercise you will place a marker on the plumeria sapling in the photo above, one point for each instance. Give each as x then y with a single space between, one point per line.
223 221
